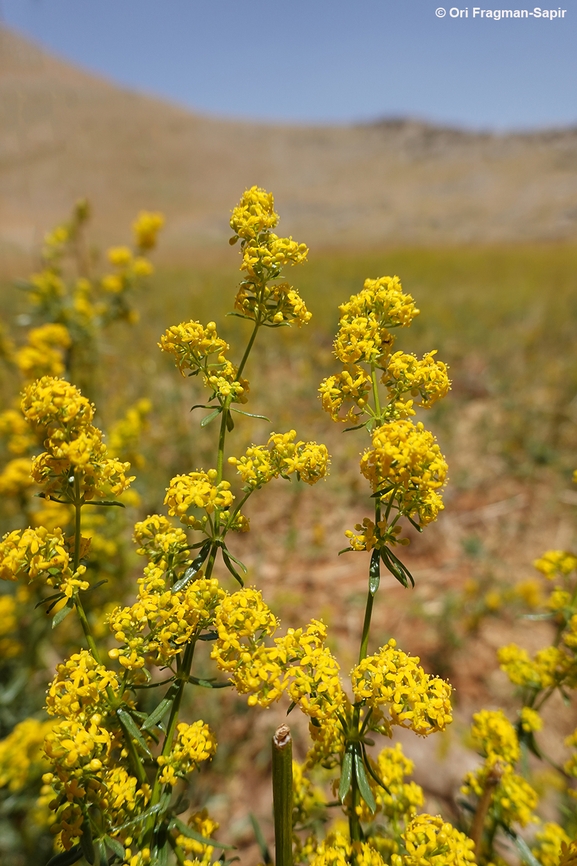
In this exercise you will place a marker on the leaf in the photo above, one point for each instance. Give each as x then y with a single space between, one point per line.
86 842
264 852
200 405
157 715
363 783
374 572
346 775
208 684
161 806
210 635
192 834
414 523
226 559
115 846
66 858
132 729
250 414
55 597
372 773
527 855
344 550
229 422
399 571
107 502
62 614
194 567
292 705
358 427
208 418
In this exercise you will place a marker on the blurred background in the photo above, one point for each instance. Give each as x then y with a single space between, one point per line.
441 149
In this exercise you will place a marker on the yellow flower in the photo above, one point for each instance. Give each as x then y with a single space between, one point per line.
121 257
15 478
406 462
253 214
22 758
430 840
495 736
197 490
192 343
392 682
548 842
426 378
556 563
146 228
193 744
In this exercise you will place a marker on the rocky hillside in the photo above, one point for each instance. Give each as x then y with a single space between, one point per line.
65 134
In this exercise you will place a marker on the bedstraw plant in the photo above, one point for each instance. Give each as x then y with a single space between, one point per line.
115 776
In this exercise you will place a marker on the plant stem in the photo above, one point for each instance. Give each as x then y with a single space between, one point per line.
476 833
282 791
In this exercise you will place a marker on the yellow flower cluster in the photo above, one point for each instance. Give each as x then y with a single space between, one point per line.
124 435
159 540
10 645
22 759
394 684
495 736
407 463
15 478
513 800
281 456
260 297
430 841
530 720
549 668
15 429
253 214
204 825
556 563
146 228
74 447
79 689
425 378
43 355
192 344
337 850
161 622
192 745
547 845
120 796
277 304
350 385
38 553
197 490
365 318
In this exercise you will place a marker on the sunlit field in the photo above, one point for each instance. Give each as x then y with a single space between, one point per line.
502 318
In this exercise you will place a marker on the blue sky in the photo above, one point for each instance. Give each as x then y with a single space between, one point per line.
322 60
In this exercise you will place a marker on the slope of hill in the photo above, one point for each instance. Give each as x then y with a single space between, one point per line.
65 134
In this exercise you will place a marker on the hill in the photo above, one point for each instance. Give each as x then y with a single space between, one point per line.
66 134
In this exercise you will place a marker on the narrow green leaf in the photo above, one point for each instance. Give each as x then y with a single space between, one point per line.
55 597
115 846
158 714
208 684
250 414
52 499
107 502
194 567
264 852
229 422
101 856
66 858
231 568
374 572
61 614
161 806
371 772
527 855
192 834
414 523
346 775
363 783
132 729
200 405
240 564
210 635
86 842
358 426
210 417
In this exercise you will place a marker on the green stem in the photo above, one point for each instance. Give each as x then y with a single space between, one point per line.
282 791
366 627
247 351
376 392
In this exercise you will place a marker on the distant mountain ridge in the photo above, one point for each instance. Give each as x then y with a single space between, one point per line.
65 133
